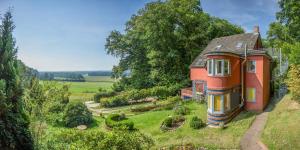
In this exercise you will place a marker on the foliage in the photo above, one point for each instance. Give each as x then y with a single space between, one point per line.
196 123
96 139
293 81
181 110
172 121
161 41
135 96
119 121
284 32
77 114
143 108
14 123
103 94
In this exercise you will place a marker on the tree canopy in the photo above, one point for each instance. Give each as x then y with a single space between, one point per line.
161 40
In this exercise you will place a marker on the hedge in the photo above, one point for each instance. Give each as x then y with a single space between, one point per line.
119 121
134 96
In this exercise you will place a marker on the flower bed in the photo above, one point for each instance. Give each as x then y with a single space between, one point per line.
172 123
119 121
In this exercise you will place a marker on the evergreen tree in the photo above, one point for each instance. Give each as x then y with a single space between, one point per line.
14 133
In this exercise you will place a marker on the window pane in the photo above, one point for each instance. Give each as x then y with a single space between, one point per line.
217 104
226 67
227 102
218 67
251 94
251 65
209 66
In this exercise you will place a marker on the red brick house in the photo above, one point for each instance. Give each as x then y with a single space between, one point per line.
232 73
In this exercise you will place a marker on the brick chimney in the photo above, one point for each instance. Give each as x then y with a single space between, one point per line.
256 29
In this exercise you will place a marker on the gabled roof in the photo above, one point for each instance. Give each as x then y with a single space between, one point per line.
234 44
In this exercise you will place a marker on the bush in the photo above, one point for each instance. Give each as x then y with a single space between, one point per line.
96 139
119 121
196 123
103 94
161 92
172 121
77 114
181 110
293 81
143 108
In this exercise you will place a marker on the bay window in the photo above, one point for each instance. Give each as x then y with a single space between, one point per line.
218 67
218 103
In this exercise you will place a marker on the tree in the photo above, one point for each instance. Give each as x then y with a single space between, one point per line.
77 114
14 133
161 41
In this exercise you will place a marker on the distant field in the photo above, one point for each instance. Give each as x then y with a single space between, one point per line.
99 79
84 91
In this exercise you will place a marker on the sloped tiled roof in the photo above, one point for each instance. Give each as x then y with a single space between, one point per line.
230 44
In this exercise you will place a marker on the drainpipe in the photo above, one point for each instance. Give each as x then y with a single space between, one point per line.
242 77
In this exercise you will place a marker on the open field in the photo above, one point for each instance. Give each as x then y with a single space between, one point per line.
282 130
84 91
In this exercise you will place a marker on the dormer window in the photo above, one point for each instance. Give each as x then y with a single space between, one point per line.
239 45
218 67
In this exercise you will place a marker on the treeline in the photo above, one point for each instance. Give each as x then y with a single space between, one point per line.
75 76
284 33
161 40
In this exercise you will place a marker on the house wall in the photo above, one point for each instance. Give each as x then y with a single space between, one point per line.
260 81
226 82
198 74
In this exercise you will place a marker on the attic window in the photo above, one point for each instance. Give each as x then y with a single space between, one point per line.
239 45
218 47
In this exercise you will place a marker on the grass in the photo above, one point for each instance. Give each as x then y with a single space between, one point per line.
212 138
84 91
282 130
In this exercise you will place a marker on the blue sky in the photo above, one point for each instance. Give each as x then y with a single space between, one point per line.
69 35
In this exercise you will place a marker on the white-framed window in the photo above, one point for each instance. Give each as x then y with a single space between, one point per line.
210 66
218 67
226 67
251 66
251 95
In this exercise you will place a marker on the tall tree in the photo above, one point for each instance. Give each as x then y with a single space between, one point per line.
14 133
162 39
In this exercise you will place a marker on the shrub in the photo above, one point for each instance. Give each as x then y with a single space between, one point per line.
168 122
172 121
293 81
103 94
119 121
77 114
143 108
181 110
196 123
96 139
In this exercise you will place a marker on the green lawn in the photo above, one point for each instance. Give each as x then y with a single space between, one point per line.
212 138
282 130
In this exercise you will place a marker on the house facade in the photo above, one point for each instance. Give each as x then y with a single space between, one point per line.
231 73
